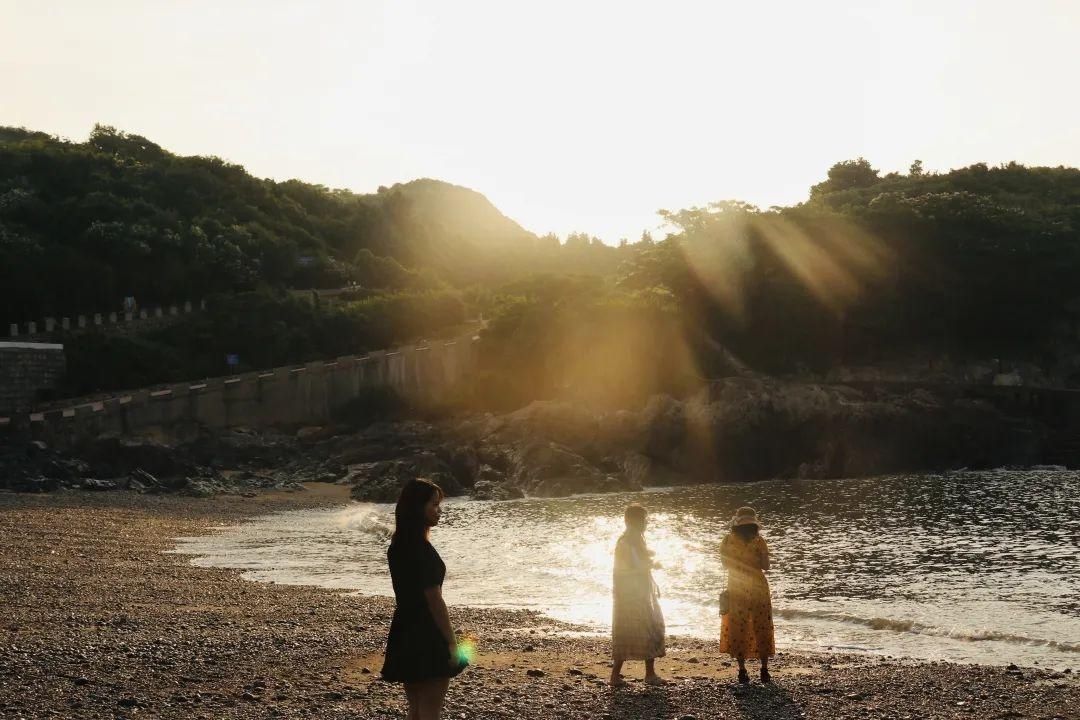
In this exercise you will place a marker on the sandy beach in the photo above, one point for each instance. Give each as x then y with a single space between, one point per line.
99 621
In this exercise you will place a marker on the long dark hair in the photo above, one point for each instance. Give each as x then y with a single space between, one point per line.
409 521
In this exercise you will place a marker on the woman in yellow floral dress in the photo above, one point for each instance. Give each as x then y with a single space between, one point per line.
746 629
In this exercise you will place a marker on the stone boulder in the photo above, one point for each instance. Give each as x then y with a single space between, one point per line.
241 448
488 490
118 456
382 481
382 441
562 423
98 485
547 469
464 463
642 471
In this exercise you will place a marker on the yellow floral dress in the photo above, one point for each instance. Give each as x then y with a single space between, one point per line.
746 631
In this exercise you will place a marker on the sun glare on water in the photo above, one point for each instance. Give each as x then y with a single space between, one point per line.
587 561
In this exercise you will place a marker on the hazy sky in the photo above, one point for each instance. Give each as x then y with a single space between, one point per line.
567 115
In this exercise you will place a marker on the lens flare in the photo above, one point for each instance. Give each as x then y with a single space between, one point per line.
466 651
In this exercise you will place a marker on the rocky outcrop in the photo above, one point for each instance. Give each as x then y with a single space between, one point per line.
740 429
134 464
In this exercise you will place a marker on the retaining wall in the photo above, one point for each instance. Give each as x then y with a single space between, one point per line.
26 371
295 395
120 322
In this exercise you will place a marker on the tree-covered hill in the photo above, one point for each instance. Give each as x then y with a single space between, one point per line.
979 262
975 265
83 225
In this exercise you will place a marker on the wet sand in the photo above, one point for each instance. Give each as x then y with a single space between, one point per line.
97 620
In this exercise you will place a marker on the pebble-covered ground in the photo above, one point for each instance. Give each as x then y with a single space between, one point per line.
96 621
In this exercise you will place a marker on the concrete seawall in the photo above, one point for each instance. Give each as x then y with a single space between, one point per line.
28 371
292 395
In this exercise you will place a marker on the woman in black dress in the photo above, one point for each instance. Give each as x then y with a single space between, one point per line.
421 651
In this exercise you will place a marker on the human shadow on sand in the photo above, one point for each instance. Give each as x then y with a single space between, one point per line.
649 702
765 702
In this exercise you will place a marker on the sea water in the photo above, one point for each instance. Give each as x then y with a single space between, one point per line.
977 567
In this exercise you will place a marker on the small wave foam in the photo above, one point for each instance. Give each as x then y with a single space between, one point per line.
365 520
918 628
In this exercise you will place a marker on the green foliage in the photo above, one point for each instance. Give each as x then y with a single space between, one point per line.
264 330
977 261
973 262
583 337
83 225
98 362
848 175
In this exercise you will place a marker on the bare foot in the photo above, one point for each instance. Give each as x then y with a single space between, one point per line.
617 681
655 680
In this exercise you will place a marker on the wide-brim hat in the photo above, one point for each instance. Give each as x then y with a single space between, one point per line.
745 516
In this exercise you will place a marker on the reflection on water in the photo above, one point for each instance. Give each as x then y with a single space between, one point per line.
978 567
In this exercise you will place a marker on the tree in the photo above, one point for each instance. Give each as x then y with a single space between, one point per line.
847 175
577 241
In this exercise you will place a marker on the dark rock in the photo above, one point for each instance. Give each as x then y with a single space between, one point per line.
535 673
117 457
487 490
140 481
559 422
382 481
98 485
551 470
664 425
464 464
198 487
642 471
312 435
28 483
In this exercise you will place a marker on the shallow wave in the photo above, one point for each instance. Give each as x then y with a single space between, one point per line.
365 520
918 628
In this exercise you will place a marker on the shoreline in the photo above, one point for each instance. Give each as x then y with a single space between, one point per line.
104 622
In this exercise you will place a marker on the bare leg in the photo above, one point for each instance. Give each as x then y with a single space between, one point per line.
765 676
616 671
412 694
650 672
744 677
431 697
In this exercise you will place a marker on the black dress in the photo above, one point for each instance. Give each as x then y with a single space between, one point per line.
415 649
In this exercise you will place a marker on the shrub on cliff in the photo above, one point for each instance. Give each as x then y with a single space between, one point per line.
260 330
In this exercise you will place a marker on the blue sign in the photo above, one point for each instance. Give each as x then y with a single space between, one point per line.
232 360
